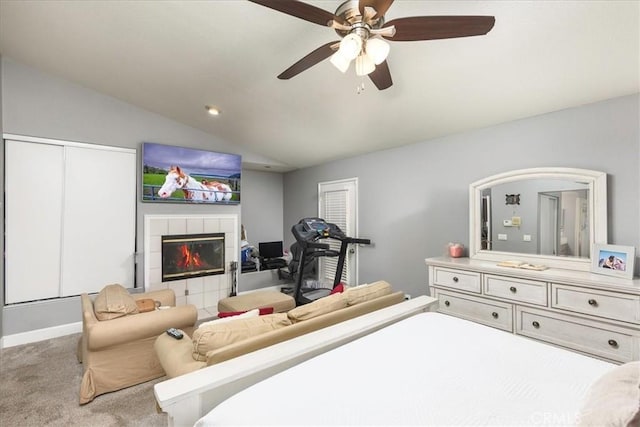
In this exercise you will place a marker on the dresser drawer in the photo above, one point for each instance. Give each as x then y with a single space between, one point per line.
520 290
596 303
490 313
457 279
609 342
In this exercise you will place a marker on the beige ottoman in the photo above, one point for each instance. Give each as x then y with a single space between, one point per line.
260 299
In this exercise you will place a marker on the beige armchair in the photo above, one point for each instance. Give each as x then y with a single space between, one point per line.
119 353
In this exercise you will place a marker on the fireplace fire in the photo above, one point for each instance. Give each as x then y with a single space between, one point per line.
192 255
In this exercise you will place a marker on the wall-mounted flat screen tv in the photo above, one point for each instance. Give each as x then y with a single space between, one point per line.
187 175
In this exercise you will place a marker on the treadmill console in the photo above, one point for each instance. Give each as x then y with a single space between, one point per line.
318 225
318 228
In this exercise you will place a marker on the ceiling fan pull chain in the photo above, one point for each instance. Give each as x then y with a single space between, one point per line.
360 88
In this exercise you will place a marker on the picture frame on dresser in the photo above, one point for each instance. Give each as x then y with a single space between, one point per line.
613 260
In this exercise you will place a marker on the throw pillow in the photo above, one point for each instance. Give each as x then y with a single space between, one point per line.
262 312
114 301
318 307
613 400
362 293
338 289
219 335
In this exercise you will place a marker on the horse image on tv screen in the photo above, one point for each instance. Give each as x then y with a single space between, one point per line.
187 175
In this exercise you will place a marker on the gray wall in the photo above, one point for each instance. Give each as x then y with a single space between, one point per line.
37 104
263 222
1 206
413 200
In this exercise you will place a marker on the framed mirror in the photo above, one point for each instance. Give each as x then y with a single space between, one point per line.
548 216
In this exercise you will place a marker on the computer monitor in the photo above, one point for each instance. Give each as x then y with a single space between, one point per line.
270 249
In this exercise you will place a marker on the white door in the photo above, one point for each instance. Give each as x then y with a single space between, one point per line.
337 204
547 224
582 227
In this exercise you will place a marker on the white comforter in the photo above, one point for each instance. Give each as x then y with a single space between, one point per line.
430 369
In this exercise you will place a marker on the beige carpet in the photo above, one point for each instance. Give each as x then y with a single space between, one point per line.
39 385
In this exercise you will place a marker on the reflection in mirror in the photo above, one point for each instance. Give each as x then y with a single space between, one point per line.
549 216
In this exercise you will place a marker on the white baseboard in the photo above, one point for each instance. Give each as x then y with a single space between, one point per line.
40 334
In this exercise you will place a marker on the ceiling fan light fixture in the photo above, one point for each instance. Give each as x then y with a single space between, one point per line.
378 50
364 65
340 62
350 46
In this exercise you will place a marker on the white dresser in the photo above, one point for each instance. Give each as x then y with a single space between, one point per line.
586 312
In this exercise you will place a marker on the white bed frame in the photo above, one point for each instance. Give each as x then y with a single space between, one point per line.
189 397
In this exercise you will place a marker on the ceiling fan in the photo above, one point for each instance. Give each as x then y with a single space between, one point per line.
362 27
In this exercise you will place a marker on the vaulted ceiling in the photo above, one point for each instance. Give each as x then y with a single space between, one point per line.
175 57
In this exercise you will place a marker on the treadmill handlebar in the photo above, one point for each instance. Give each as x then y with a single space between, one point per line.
322 253
316 245
337 234
356 241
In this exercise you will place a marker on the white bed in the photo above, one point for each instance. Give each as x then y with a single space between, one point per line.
188 397
429 369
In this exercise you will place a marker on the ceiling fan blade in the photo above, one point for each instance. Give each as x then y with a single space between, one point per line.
381 6
381 77
301 10
439 27
320 54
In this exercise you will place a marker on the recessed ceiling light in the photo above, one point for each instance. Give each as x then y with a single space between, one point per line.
213 110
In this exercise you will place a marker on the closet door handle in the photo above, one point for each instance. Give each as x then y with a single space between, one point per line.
535 324
613 343
513 289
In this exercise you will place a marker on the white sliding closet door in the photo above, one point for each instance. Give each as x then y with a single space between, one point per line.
70 218
33 215
99 219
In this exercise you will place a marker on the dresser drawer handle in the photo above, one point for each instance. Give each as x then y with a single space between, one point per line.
494 315
613 343
593 303
447 303
455 279
535 324
513 289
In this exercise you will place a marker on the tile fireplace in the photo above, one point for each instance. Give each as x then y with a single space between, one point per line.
211 245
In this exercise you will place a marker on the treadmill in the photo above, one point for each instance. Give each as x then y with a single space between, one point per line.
308 233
